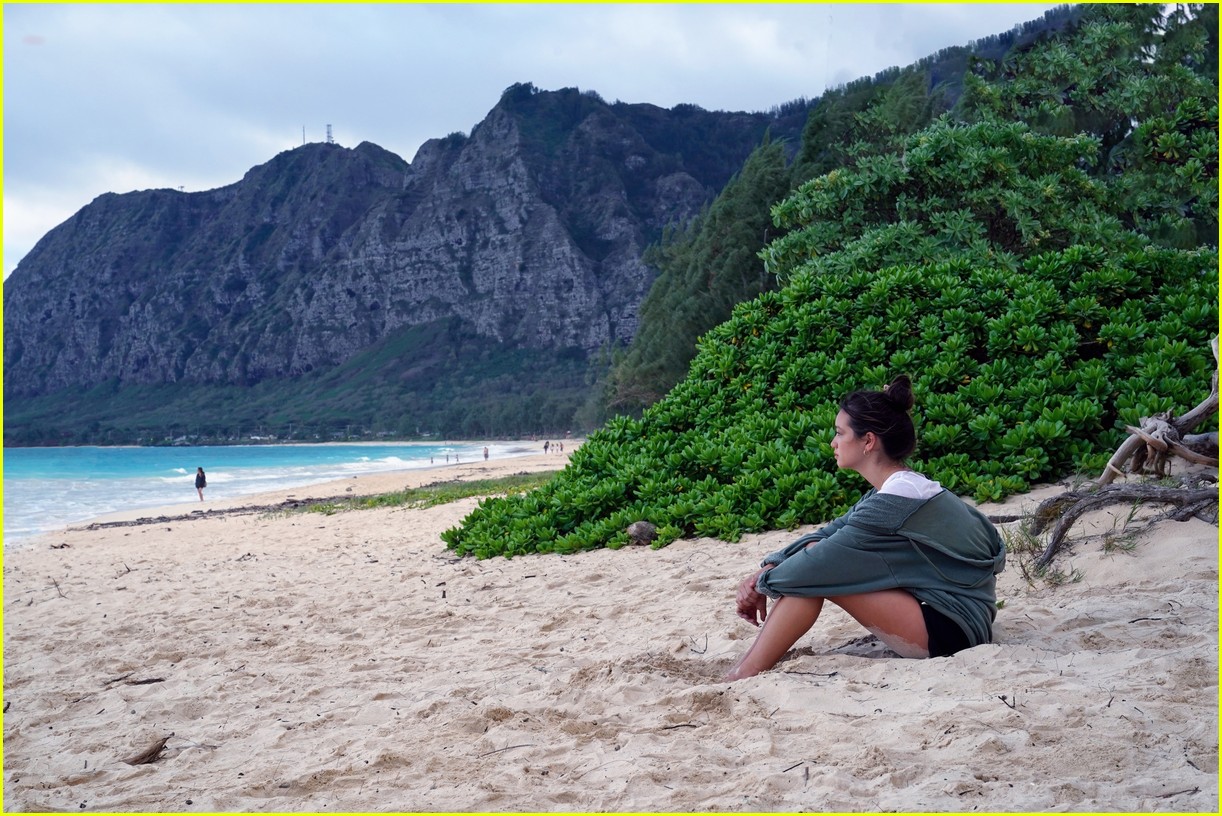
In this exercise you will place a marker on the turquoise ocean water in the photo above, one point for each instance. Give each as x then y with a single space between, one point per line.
46 489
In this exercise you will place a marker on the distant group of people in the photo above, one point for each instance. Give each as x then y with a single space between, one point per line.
556 447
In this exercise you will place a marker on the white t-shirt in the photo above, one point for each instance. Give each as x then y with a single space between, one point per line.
910 484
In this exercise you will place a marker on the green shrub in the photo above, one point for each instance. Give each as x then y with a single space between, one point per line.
743 443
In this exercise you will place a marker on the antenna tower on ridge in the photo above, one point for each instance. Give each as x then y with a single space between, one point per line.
329 139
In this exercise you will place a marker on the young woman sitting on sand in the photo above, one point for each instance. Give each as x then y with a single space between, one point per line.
910 561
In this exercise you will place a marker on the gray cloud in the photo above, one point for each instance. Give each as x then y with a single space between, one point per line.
112 98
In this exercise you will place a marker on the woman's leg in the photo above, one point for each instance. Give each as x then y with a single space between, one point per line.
891 615
788 620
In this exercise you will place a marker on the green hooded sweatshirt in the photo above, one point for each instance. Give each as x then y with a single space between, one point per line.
941 550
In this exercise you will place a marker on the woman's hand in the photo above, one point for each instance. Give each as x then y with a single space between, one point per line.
751 604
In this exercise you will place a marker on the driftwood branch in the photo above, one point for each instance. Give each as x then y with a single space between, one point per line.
1060 512
1150 447
149 754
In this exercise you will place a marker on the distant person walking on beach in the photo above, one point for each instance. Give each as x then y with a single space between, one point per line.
485 453
201 481
546 445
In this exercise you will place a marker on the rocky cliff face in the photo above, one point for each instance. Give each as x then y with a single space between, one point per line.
529 232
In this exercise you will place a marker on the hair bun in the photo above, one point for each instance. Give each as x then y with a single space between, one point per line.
900 392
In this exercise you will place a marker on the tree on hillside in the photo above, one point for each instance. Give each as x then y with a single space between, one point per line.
866 118
1145 86
1076 139
993 192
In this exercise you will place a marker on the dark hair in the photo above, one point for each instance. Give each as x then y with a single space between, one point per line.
884 414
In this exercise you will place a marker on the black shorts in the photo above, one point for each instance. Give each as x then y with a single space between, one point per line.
945 636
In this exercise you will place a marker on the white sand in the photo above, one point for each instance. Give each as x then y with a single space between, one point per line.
351 663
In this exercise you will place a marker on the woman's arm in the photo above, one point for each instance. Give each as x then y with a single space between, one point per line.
823 532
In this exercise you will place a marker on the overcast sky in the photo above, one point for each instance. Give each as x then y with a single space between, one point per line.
114 98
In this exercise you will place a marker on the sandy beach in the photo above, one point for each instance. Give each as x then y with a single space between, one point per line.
306 662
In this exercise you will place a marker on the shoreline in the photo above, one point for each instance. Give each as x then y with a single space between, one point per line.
266 443
324 485
357 486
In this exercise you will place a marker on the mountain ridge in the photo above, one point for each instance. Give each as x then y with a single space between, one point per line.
525 235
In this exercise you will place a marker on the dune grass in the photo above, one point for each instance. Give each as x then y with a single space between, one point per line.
436 493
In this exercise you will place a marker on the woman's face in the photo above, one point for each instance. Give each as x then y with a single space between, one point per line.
847 447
